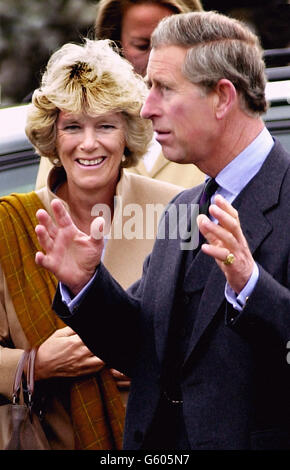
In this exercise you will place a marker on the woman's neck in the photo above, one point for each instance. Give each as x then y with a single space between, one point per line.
81 203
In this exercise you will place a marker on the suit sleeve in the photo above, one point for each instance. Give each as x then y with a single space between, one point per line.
107 318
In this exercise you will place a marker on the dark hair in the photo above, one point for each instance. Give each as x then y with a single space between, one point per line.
110 13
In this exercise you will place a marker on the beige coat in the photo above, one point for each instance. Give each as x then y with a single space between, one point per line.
187 175
124 258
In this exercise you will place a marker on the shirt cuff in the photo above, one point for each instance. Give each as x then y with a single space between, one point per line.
66 294
239 301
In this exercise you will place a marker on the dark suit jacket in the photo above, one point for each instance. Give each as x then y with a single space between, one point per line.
235 378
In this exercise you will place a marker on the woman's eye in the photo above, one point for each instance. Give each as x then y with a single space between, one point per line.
107 126
71 127
143 47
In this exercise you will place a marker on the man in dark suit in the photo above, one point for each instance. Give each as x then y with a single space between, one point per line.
203 334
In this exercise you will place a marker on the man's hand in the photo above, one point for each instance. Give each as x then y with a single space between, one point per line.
71 255
225 238
64 354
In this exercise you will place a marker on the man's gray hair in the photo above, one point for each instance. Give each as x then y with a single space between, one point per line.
218 47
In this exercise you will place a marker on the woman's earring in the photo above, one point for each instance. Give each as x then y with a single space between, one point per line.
56 162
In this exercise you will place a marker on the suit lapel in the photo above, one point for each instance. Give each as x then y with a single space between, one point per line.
204 275
169 269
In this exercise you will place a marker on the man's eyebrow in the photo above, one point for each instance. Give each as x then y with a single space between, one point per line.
149 82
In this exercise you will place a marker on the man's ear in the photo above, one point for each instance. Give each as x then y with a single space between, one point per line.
226 97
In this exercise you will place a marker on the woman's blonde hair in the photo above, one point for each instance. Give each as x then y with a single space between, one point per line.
90 78
110 13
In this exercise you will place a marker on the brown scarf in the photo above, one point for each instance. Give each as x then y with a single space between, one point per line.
96 406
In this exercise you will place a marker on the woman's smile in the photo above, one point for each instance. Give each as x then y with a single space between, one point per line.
91 162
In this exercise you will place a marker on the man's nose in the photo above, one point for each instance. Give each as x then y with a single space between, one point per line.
149 107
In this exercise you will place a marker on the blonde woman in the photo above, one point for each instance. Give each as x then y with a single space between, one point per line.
85 119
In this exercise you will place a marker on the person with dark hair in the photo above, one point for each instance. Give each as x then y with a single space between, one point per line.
130 24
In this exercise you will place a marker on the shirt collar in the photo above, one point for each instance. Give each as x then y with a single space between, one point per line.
236 175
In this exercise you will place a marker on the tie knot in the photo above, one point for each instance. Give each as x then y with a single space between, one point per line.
209 189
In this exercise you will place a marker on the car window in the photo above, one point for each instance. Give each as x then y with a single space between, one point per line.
18 160
277 118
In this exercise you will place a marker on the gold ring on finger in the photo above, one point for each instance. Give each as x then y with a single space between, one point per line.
229 259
